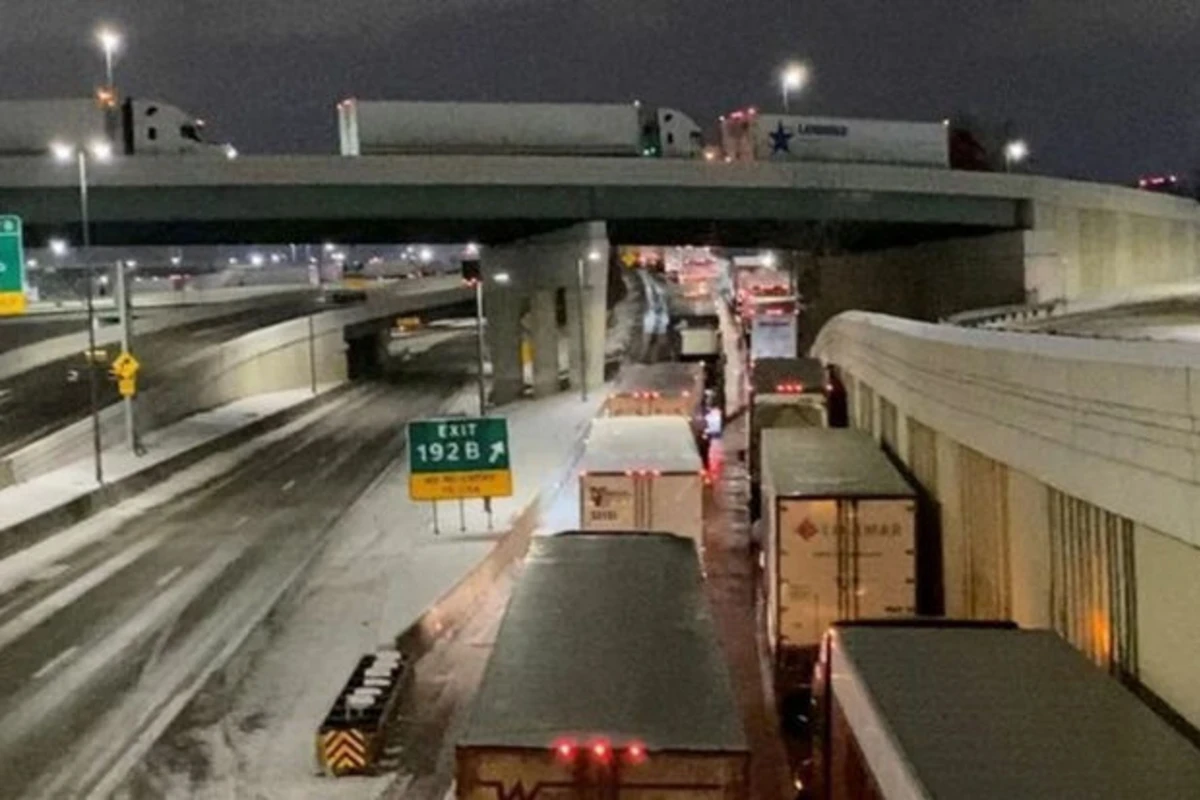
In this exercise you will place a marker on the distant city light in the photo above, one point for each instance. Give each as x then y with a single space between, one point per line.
31 263
276 258
256 259
769 259
101 150
501 277
176 260
230 152
594 255
58 247
233 261
330 247
426 255
472 249
62 151
131 263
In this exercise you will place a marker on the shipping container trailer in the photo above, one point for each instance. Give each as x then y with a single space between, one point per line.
983 712
606 680
668 388
840 543
752 136
642 473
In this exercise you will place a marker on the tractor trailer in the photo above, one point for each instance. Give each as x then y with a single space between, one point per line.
515 129
840 544
131 128
752 136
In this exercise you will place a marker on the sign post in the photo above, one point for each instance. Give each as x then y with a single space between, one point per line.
458 458
12 266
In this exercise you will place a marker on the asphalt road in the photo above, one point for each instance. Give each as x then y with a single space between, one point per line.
40 401
101 648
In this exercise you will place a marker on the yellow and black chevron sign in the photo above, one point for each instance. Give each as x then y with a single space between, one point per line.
344 751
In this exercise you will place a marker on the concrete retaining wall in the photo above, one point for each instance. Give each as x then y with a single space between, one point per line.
274 358
1022 423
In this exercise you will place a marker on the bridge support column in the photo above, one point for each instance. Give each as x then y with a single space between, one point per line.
503 310
544 329
532 271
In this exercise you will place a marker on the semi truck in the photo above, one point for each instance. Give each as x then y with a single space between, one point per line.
840 530
511 129
606 679
644 474
784 393
668 388
963 710
752 136
774 325
132 128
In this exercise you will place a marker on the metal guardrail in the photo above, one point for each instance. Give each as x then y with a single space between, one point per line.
351 737
997 316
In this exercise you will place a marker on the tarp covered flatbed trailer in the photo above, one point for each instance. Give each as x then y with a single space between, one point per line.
991 713
607 679
840 531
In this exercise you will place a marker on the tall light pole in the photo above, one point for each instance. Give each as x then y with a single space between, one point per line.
1015 152
792 78
110 43
101 152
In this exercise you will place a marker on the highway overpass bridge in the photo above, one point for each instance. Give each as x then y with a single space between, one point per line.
921 243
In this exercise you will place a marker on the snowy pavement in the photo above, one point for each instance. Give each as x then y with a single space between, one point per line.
25 501
384 567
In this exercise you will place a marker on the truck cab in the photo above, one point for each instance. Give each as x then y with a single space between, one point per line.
669 133
161 129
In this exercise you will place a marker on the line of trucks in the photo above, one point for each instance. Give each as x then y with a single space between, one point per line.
146 127
608 678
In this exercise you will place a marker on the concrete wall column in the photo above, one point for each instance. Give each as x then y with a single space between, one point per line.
591 304
536 268
503 310
544 326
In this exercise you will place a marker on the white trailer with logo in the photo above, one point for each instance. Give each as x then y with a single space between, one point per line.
840 543
642 474
752 136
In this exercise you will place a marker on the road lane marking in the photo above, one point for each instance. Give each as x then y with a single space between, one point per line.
49 666
33 616
240 521
170 576
287 487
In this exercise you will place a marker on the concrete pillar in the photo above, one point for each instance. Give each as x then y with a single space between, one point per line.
533 270
591 304
503 310
544 330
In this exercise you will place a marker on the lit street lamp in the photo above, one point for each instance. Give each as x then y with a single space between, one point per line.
793 78
1015 152
110 43
99 151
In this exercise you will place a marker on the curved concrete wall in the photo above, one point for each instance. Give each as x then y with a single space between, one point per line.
1002 429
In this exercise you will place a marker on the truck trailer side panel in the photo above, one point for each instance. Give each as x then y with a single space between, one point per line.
843 559
676 505
619 502
388 127
496 773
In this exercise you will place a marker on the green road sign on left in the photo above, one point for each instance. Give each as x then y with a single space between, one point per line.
12 266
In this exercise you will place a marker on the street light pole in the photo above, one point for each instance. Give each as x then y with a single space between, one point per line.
93 380
126 317
479 345
583 359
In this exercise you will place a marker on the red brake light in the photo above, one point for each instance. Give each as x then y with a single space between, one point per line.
565 751
636 752
600 750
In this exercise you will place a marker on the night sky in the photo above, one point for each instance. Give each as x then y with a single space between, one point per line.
1105 89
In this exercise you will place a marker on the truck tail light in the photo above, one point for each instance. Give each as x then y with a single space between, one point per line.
636 752
601 750
565 751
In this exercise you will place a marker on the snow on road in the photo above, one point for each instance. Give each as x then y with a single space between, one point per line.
384 567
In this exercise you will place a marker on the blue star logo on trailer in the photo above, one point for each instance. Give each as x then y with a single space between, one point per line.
780 137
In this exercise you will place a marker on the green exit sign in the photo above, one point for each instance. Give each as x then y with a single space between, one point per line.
12 266
458 458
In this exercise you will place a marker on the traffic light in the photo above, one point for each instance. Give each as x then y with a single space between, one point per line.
471 271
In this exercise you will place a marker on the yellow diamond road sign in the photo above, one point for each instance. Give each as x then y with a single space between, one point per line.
125 366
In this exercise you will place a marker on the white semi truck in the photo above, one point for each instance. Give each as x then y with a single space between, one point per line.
752 136
529 129
841 533
642 474
132 128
